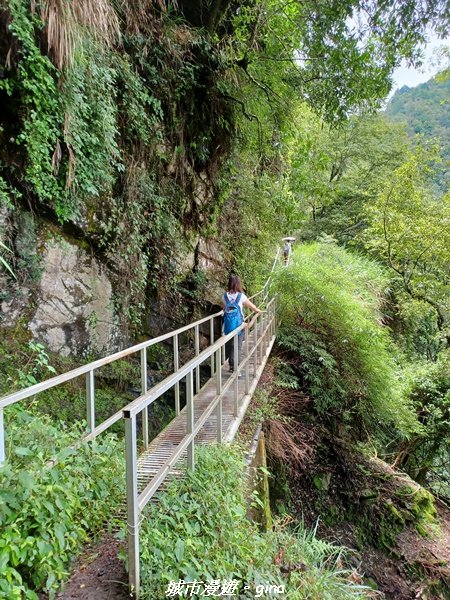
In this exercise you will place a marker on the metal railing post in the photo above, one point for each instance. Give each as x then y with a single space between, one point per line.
271 322
266 332
2 439
143 391
197 352
176 366
247 365
261 334
132 503
190 418
236 373
218 392
211 342
90 400
255 354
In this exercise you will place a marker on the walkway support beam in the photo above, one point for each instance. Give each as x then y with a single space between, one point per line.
132 504
190 418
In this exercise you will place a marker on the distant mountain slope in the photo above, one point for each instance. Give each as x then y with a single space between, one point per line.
426 110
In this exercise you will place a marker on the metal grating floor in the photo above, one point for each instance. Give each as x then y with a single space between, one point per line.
165 444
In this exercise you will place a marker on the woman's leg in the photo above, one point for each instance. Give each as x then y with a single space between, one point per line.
240 340
229 353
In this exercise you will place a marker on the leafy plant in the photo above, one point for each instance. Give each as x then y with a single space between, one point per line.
426 455
42 111
330 306
37 366
4 262
198 530
48 512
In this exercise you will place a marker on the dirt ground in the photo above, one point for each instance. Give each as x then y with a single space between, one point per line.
98 574
430 556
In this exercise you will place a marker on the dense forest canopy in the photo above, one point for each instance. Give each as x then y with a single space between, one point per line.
426 110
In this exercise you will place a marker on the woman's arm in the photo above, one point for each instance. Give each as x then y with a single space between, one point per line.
252 307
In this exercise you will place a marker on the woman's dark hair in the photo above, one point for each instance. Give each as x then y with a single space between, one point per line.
234 283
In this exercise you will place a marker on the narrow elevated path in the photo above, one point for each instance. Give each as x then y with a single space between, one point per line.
211 414
237 392
212 411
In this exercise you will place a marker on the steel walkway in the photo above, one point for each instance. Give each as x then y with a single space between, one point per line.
160 450
211 413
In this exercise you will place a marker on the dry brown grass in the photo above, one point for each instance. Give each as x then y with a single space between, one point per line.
288 439
141 15
67 20
289 442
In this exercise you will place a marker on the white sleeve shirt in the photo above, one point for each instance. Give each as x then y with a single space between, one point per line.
232 297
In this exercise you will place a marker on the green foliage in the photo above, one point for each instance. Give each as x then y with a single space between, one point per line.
254 217
24 363
416 328
90 126
36 83
426 456
7 193
142 110
3 261
263 407
330 303
318 51
167 100
203 519
37 364
327 579
48 512
409 230
425 108
28 260
335 172
199 530
142 236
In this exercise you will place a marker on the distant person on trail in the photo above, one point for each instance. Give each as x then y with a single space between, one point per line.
233 316
286 251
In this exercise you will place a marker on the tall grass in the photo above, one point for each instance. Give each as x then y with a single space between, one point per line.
198 531
331 304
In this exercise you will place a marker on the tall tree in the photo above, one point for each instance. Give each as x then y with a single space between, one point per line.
410 230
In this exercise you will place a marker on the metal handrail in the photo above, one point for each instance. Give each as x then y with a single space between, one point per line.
89 370
92 366
163 386
268 280
263 337
152 487
101 362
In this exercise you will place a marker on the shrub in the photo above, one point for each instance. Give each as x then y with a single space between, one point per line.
198 530
48 512
426 456
330 303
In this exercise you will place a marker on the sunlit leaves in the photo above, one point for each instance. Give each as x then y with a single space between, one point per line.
410 230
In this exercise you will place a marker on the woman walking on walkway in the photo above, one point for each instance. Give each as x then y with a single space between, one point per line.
233 302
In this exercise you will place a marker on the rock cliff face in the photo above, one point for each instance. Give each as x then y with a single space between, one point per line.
75 309
71 300
110 153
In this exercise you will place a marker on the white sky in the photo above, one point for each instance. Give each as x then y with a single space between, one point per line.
411 77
